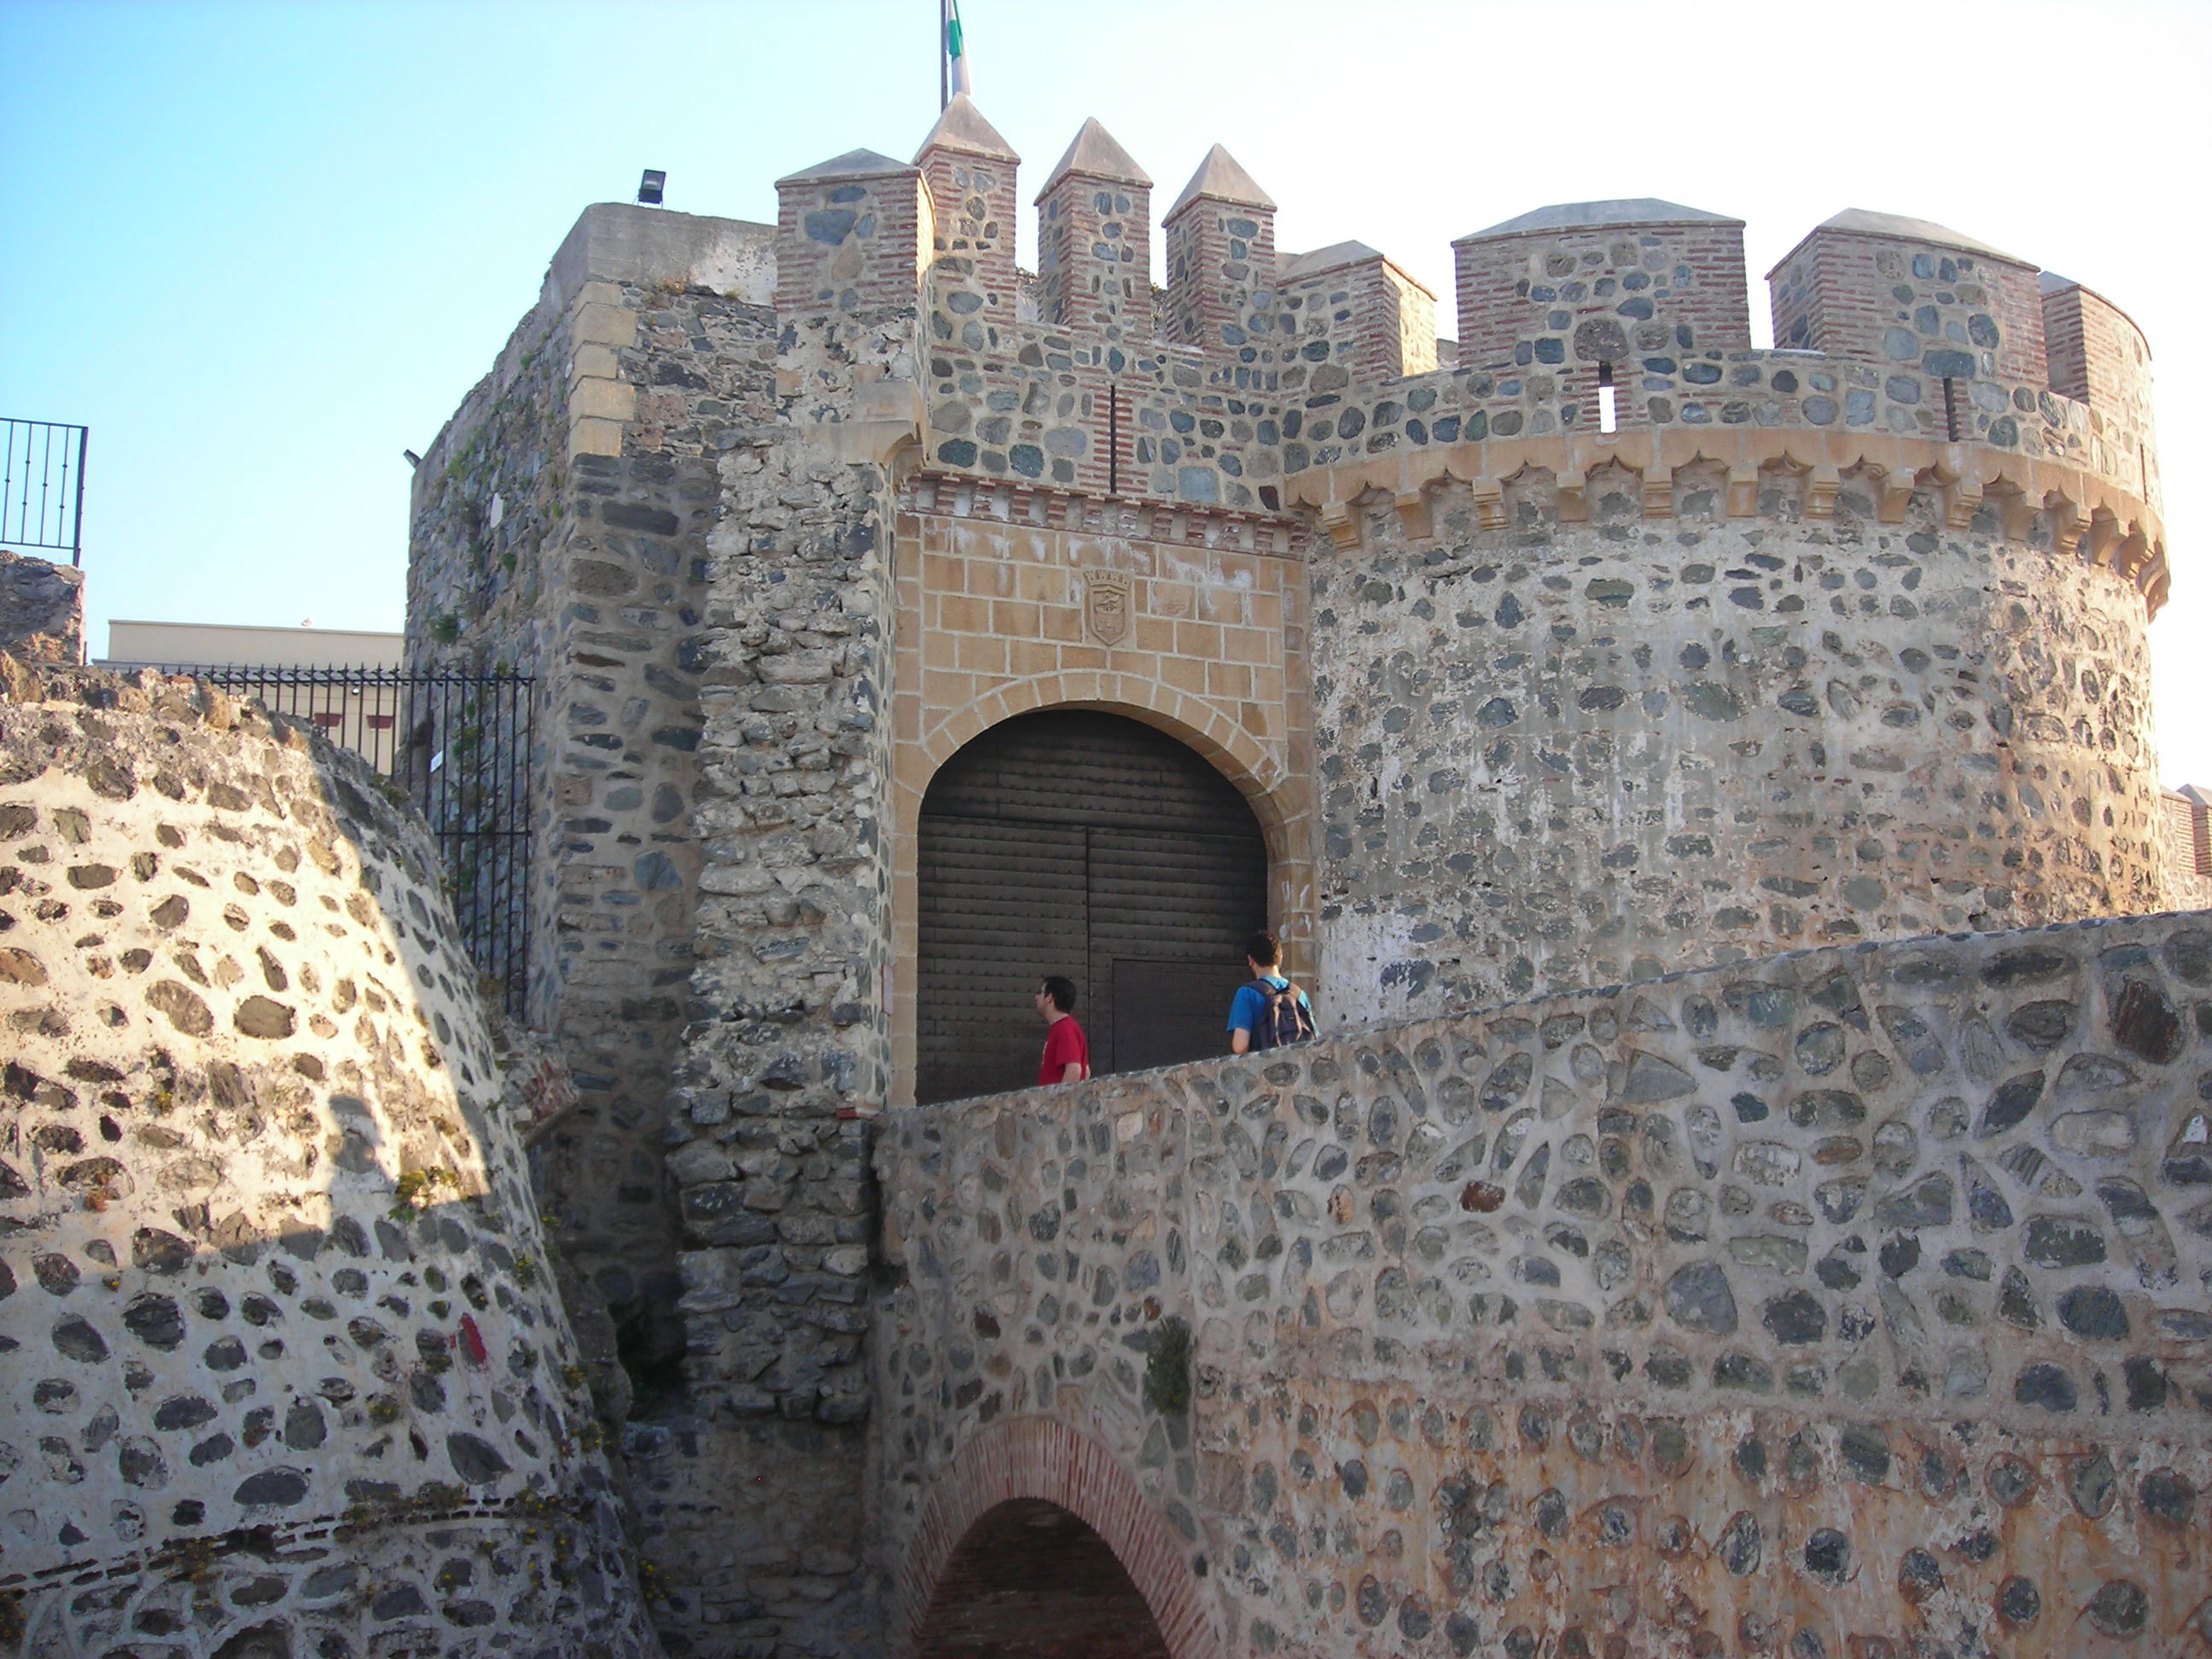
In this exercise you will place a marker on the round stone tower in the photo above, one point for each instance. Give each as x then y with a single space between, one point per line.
288 1373
1641 649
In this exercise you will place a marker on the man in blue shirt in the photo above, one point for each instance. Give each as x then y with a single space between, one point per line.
1250 1013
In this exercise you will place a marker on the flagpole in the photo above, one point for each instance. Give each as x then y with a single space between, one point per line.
944 63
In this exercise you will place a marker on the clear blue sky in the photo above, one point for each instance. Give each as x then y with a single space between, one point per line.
262 249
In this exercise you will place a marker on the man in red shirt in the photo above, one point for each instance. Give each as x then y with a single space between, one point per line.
1066 1050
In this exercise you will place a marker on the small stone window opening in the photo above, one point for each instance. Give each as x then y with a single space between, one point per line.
1608 413
1951 408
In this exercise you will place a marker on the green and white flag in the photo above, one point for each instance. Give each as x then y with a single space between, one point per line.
956 54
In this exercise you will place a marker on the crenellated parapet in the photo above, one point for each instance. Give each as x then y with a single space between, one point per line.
1256 366
2060 482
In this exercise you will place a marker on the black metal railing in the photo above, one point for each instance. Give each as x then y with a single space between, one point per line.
42 486
460 746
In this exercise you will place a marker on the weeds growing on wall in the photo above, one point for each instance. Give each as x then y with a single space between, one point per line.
1167 1369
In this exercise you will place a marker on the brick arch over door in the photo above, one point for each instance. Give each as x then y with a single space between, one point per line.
1279 797
1078 842
1040 1457
1192 720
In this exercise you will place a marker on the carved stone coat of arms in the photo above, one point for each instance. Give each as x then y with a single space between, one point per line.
1106 598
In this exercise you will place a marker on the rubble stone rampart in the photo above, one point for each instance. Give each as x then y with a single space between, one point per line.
289 1376
541 545
1847 1302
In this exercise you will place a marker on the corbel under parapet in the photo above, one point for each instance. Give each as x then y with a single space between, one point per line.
1743 492
2067 524
2105 538
2133 553
1341 520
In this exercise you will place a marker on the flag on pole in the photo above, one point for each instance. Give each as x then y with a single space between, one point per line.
956 54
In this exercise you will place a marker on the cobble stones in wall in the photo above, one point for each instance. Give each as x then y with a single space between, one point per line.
768 1154
623 758
41 609
757 1490
1810 1306
1558 754
263 1191
598 590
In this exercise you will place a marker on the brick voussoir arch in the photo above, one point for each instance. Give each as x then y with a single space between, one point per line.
1041 1457
1190 719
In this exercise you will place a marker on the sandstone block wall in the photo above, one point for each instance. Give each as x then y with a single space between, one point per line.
1847 1303
1555 753
290 1377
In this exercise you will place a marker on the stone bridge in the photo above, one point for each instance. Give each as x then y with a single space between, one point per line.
1851 1303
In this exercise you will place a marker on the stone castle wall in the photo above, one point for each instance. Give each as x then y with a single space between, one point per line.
538 545
1809 644
1560 752
291 1375
1851 1302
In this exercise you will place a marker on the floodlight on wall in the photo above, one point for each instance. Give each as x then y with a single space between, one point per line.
650 186
413 460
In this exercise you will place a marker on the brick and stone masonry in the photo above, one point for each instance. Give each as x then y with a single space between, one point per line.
1821 647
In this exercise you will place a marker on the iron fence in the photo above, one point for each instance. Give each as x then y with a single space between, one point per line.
460 746
42 486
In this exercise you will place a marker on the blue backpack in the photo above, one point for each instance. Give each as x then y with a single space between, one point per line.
1284 1019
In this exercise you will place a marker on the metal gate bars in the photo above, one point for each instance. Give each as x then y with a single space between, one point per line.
460 746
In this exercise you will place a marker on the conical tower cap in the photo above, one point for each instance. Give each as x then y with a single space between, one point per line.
1220 178
962 129
1095 154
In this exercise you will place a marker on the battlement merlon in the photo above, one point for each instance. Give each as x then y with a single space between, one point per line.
1095 239
1590 289
1265 367
971 171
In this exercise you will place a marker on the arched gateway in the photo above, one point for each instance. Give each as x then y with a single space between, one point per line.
1080 843
1036 1542
1030 1581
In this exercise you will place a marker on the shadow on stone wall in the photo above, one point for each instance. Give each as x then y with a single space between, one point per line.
294 1377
